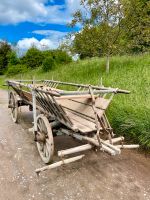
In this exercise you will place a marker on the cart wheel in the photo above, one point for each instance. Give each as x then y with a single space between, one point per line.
13 107
45 143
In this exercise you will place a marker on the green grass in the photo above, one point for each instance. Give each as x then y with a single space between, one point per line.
129 114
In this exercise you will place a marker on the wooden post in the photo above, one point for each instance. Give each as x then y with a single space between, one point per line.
59 163
115 140
130 146
74 150
34 109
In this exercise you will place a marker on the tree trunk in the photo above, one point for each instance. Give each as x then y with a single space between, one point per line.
107 64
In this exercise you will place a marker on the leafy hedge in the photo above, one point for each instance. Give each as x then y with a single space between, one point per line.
48 64
16 69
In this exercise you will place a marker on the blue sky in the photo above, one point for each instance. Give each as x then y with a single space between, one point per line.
38 22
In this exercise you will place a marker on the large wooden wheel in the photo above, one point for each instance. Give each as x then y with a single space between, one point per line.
45 142
13 107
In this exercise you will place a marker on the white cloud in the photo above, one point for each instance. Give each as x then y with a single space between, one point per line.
27 43
51 41
16 11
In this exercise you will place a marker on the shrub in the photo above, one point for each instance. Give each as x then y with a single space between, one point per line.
5 49
48 64
61 57
33 58
47 53
16 69
12 58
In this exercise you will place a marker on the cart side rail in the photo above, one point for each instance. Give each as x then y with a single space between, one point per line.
55 84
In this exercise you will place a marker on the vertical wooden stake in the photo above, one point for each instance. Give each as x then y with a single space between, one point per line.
34 109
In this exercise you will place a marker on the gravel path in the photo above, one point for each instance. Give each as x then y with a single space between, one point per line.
97 176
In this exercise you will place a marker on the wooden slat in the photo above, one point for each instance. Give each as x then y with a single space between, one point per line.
80 107
74 97
84 125
102 103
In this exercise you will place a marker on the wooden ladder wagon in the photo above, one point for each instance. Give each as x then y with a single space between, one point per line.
78 111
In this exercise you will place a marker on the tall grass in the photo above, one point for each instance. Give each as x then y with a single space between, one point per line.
129 114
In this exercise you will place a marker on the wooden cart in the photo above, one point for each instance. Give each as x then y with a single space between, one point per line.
77 110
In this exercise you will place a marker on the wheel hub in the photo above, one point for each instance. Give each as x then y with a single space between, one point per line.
41 137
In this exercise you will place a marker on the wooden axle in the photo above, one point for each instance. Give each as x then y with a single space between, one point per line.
59 163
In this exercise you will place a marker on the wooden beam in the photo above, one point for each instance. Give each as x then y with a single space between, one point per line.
74 150
59 163
115 140
130 146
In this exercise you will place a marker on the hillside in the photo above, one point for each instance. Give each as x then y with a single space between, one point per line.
129 114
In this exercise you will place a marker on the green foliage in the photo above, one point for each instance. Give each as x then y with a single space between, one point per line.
48 64
12 58
33 58
111 27
47 53
135 25
100 21
87 43
16 69
61 57
5 48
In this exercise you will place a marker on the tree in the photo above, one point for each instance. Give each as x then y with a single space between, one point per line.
5 49
33 58
48 64
12 58
136 25
105 16
87 42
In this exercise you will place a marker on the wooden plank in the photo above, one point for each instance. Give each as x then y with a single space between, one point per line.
80 107
102 103
85 126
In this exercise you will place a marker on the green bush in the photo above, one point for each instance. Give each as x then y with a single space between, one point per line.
33 58
47 53
48 64
61 57
12 58
16 69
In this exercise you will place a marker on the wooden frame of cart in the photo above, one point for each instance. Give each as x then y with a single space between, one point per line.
76 110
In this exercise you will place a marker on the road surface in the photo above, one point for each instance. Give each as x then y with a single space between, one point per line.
97 176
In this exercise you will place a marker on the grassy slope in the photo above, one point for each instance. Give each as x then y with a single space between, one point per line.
128 114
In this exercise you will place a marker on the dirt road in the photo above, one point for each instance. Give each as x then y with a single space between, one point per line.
97 176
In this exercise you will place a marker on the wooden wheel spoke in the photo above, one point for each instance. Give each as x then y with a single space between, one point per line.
39 126
43 127
45 147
